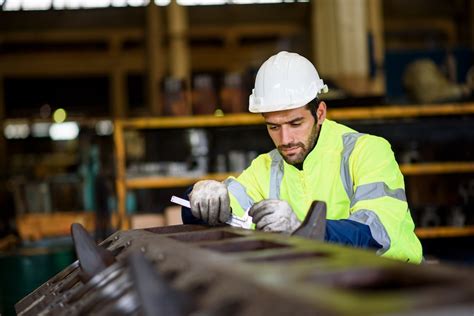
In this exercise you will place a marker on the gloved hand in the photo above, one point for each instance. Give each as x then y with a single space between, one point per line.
274 216
210 202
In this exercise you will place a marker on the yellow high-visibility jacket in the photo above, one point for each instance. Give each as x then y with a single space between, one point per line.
355 174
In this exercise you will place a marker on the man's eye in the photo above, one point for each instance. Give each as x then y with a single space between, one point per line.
295 124
272 127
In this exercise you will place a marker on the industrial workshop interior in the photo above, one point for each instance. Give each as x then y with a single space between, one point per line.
128 124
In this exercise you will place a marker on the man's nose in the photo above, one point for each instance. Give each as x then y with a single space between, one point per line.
285 135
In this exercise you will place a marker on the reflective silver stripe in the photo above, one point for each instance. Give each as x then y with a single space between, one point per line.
376 190
276 174
348 140
239 192
376 227
366 192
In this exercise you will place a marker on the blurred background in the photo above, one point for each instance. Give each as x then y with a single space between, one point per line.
109 107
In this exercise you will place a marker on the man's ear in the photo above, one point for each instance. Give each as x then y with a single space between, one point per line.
321 112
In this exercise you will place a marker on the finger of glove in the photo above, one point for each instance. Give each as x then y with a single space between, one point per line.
260 210
224 213
205 210
275 224
199 200
266 222
214 210
254 208
196 206
270 227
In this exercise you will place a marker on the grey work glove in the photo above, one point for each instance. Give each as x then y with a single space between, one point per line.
274 216
210 202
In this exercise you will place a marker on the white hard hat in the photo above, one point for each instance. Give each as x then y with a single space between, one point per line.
285 81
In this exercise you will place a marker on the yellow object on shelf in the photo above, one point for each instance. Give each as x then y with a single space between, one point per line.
173 215
139 221
36 226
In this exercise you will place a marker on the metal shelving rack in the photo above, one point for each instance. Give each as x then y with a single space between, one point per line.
343 114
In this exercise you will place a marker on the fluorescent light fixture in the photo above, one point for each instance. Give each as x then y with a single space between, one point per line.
95 3
40 129
254 1
119 3
104 128
201 2
137 3
17 5
66 4
12 5
36 5
16 131
64 131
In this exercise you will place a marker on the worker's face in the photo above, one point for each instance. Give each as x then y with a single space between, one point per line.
294 132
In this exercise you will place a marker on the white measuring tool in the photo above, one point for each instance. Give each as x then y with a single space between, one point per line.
242 222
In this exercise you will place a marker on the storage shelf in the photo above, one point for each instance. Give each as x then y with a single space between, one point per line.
445 231
58 224
437 168
347 114
401 111
193 121
358 113
170 182
160 182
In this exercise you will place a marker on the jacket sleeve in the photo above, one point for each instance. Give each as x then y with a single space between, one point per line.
186 216
378 199
351 233
249 187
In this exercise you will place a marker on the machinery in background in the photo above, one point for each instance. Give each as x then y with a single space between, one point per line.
198 270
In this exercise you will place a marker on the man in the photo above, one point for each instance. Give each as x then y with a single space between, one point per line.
315 159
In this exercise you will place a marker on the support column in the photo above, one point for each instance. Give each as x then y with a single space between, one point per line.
179 50
471 22
118 95
324 35
376 31
155 59
340 41
3 143
118 86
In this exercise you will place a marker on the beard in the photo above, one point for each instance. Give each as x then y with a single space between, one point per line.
305 148
295 158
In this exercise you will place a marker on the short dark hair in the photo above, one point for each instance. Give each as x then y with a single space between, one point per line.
312 106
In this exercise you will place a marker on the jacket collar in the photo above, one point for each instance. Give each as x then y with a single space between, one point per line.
321 146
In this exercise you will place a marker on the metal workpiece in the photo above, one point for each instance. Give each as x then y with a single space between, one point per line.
92 259
199 270
314 225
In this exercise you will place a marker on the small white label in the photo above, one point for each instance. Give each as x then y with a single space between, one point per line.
180 201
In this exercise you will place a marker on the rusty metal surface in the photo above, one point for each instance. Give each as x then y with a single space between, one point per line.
314 225
195 270
92 259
